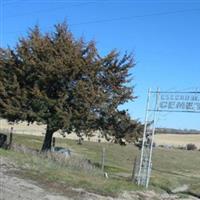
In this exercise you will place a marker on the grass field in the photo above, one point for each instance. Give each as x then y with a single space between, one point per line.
172 168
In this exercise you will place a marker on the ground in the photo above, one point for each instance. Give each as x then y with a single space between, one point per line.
24 175
174 170
15 188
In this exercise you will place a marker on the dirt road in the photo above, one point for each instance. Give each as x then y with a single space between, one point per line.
14 188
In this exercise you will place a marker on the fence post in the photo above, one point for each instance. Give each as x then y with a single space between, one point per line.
135 170
53 142
10 138
103 159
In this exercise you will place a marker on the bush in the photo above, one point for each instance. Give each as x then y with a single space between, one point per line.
191 147
182 147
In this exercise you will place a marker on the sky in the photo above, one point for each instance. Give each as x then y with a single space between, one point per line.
164 37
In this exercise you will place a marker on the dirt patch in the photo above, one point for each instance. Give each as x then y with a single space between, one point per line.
14 188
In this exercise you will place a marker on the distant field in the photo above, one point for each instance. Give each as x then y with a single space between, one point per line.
160 139
177 139
23 128
38 130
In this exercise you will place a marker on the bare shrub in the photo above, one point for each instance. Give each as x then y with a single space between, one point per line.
191 147
24 149
74 162
181 147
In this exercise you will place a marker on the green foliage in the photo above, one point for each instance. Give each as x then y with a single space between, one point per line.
120 125
64 83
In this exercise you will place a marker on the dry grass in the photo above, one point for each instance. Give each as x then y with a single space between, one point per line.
75 162
73 172
177 139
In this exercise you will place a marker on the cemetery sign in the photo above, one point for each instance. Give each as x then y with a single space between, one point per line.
179 102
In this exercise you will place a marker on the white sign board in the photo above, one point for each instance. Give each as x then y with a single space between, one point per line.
179 102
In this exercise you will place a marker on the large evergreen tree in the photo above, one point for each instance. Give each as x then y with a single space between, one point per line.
64 83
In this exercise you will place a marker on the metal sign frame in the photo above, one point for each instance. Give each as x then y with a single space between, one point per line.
173 102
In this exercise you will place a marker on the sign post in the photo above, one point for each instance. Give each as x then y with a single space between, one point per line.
161 101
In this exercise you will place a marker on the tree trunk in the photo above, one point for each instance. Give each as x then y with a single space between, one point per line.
47 139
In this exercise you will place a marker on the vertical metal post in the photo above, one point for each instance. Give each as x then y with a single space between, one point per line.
152 137
144 136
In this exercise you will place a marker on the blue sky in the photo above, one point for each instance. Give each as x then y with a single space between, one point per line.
164 37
